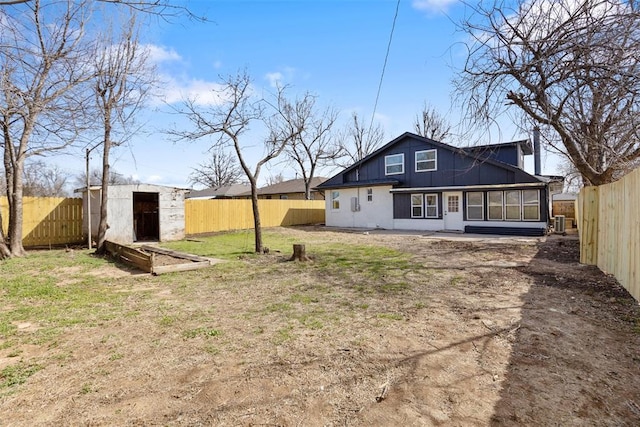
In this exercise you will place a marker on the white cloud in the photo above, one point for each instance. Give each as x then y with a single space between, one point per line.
153 178
432 5
279 77
159 54
274 78
202 92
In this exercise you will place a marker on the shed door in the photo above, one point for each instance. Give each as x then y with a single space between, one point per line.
453 219
146 216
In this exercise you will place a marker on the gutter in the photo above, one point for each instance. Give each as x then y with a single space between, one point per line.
469 187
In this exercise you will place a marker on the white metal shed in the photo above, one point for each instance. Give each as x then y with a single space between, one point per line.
138 212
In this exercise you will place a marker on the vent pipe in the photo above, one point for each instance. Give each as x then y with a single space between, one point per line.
536 151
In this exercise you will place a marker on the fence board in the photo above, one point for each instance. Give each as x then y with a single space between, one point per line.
610 229
208 216
48 220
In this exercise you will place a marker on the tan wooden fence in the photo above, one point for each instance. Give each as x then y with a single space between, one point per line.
609 227
208 216
48 221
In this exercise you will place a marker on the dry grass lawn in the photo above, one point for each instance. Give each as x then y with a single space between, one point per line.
378 329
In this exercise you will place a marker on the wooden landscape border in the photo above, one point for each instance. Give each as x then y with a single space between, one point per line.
144 257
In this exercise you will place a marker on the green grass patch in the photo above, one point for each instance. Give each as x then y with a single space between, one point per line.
201 332
13 375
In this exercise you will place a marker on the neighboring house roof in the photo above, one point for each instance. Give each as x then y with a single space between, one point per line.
474 158
289 187
232 190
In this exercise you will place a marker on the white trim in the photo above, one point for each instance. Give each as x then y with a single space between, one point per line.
394 164
468 187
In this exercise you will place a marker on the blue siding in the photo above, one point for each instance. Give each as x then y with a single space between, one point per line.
455 167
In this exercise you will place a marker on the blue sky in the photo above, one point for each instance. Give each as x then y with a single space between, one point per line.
332 48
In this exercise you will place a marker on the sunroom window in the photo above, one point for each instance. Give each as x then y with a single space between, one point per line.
475 206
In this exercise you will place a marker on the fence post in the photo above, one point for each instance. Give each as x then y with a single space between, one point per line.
589 207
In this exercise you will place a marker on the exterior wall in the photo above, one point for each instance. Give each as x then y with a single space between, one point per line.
172 220
377 213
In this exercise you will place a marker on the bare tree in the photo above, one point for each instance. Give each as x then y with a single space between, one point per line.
357 141
122 83
570 66
229 122
431 124
221 169
41 104
315 145
95 178
275 179
42 180
165 9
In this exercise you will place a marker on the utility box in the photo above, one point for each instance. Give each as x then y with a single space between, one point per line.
559 224
355 204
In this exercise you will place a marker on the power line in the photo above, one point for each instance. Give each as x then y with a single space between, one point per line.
384 67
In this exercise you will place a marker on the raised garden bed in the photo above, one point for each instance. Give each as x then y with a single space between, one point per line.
156 260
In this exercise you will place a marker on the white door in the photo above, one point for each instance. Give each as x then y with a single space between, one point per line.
453 219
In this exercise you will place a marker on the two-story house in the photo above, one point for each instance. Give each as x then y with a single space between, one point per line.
415 183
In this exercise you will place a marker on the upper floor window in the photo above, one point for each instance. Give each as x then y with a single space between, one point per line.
426 160
394 164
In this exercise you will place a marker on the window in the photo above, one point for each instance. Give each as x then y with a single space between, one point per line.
394 164
335 200
512 205
495 205
284 197
530 205
431 201
416 205
369 194
475 206
453 204
426 161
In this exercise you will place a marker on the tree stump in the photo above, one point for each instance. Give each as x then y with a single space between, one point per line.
299 253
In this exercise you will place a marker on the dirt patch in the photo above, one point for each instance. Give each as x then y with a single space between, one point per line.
462 333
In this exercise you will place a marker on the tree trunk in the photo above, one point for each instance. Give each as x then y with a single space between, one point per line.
102 227
257 227
299 253
4 249
15 211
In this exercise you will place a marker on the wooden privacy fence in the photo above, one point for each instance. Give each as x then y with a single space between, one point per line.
609 228
48 221
208 216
